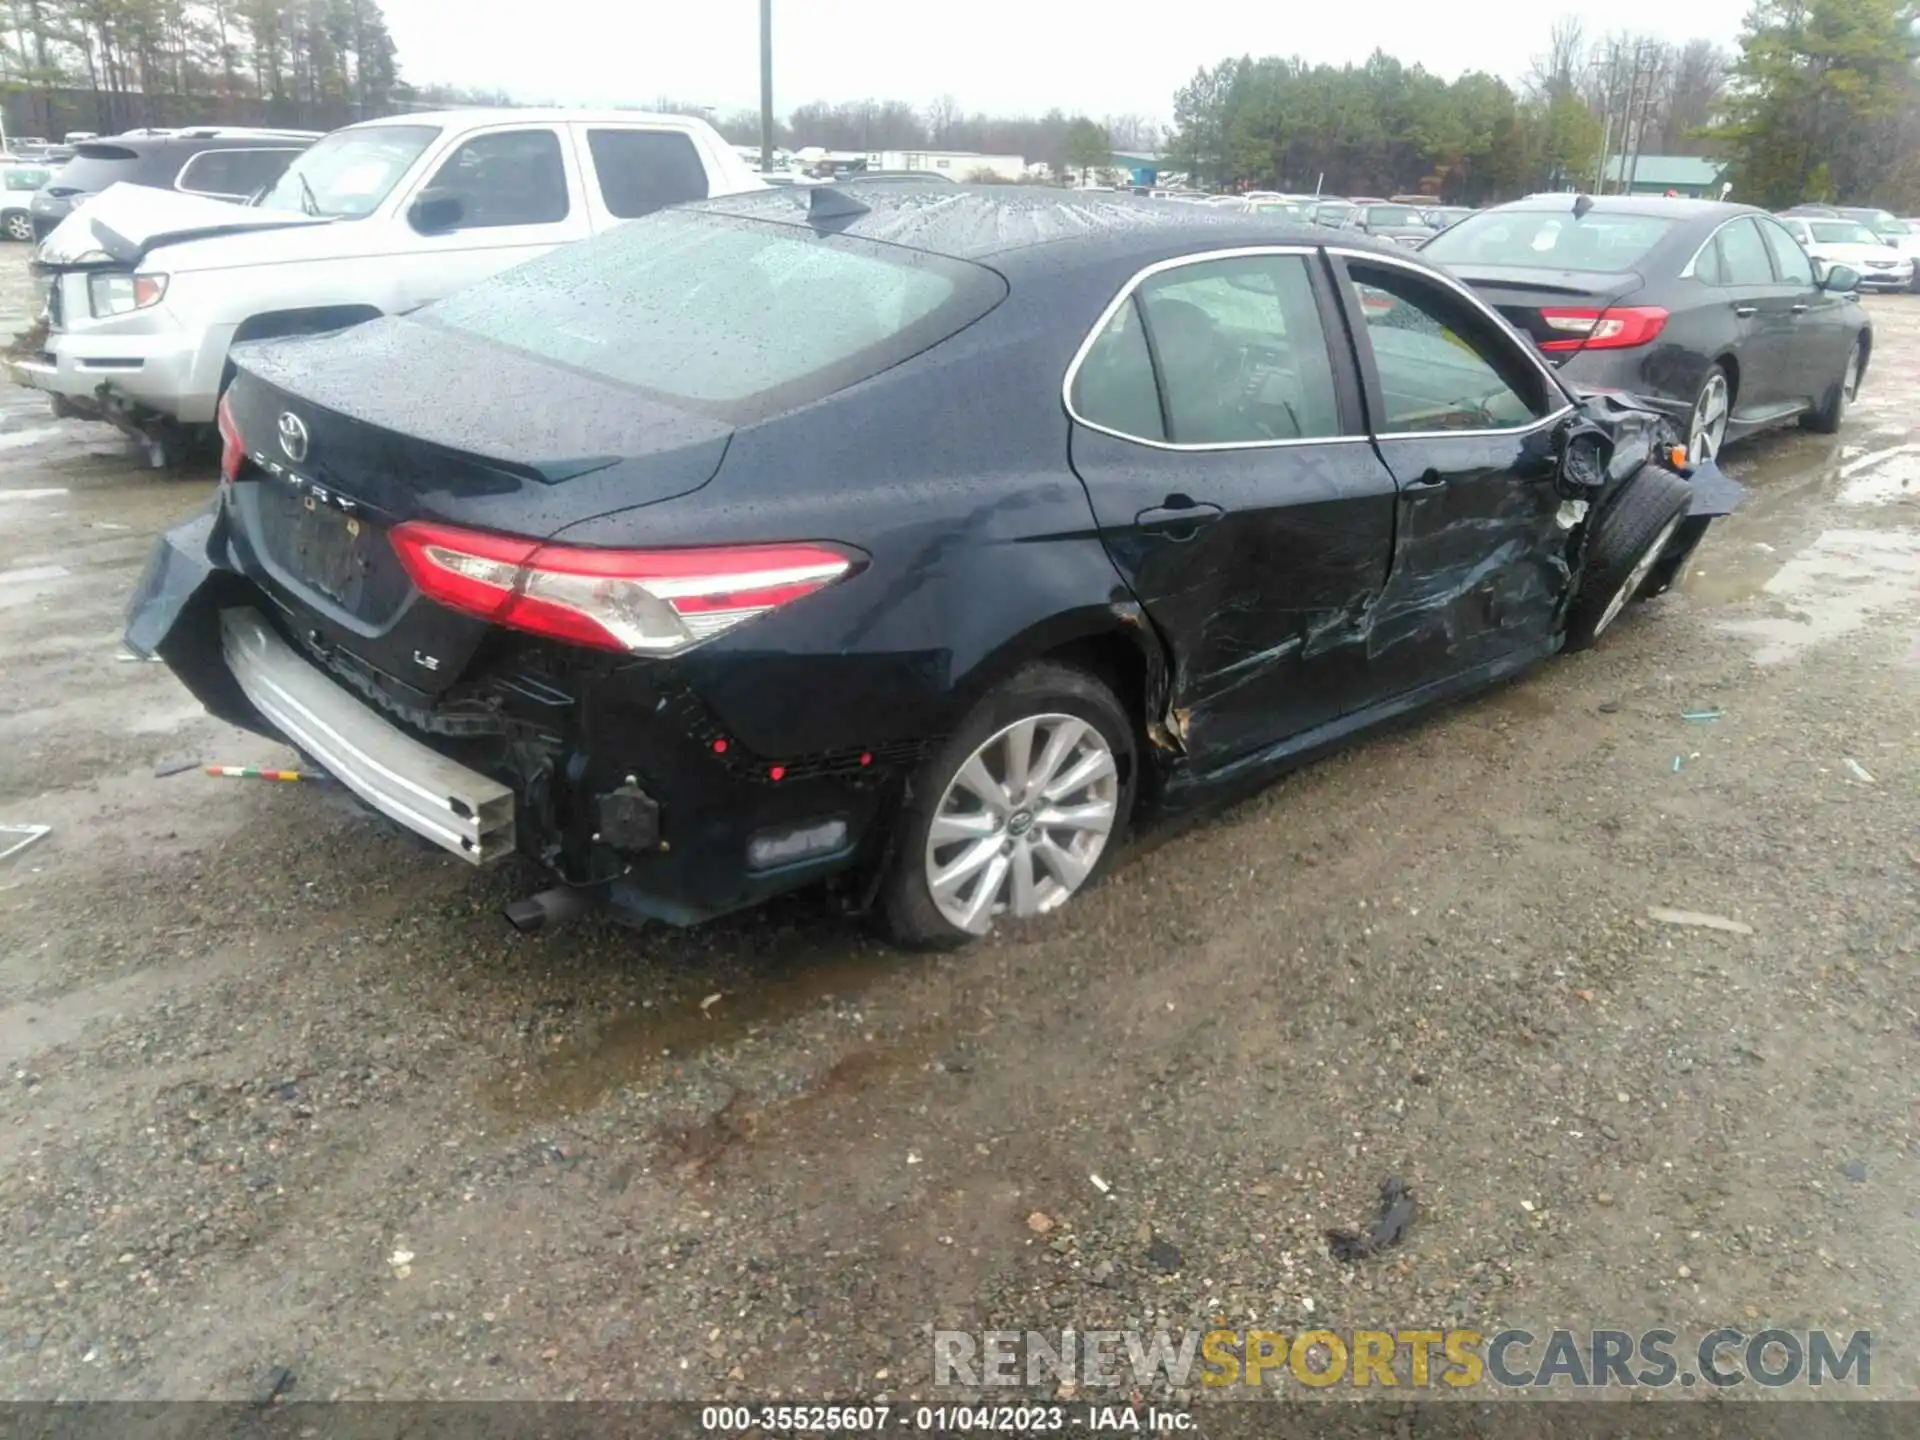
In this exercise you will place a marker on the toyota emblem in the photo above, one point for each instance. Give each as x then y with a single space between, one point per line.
293 436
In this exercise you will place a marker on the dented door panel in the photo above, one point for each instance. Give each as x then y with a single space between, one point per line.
1263 607
1479 557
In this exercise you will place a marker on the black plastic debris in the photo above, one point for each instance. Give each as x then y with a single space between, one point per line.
1396 1215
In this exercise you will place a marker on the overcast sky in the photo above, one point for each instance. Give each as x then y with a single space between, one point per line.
1007 56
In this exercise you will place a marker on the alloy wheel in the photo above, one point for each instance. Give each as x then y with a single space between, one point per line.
19 227
1023 822
1641 569
1708 430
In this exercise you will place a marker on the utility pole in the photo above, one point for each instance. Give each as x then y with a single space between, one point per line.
766 85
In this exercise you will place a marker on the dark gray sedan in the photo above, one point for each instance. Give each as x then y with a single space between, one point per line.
1712 311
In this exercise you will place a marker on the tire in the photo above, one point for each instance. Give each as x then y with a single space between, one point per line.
1633 533
19 226
1705 424
1049 706
1826 418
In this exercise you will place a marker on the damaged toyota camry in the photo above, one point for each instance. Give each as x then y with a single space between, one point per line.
916 539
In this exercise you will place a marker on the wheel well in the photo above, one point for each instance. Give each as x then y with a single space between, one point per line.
1113 659
1732 367
1865 341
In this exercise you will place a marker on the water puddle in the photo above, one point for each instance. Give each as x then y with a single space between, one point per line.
1831 588
576 1074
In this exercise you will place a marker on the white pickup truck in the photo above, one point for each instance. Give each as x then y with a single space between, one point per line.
147 290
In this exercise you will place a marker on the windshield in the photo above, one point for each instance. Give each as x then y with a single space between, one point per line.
1881 222
1549 240
730 317
1841 232
348 173
1393 215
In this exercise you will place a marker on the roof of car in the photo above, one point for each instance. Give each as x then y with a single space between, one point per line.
973 222
494 115
1672 207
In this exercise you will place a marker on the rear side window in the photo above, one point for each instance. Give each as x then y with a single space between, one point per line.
1241 354
1114 387
1788 258
237 173
735 318
515 177
1743 255
1549 240
642 170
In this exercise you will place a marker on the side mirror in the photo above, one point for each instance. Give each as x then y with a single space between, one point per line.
1841 278
436 212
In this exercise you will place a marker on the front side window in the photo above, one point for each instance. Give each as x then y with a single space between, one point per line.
1788 258
347 174
1442 365
512 177
642 170
1743 255
1240 351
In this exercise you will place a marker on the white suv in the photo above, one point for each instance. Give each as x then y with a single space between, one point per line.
147 290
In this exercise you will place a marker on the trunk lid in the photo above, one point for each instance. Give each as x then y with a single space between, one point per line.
1520 294
123 222
345 445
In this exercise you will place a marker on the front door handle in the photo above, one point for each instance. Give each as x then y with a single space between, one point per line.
1427 479
1800 308
1745 310
1179 518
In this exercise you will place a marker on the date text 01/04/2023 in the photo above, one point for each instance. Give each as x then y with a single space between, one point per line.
940 1419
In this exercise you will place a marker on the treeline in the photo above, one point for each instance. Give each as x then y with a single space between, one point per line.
1384 127
943 125
140 59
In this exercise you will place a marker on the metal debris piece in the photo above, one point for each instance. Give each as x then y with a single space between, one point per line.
1102 1186
1701 715
1857 770
26 834
1676 764
179 767
1698 918
1397 1210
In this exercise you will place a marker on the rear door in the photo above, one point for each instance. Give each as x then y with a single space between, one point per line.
520 193
1762 307
631 170
1464 414
1220 439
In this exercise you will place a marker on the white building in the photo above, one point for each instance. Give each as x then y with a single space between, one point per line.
950 164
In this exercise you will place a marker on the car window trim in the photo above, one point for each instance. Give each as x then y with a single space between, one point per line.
1500 323
1713 237
1176 262
1762 222
509 127
1773 272
193 159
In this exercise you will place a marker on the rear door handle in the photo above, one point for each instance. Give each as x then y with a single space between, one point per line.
1427 479
1745 310
1800 308
1171 520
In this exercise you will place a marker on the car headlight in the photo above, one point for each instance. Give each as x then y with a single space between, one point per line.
122 294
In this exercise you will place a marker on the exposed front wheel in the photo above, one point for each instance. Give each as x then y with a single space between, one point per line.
1018 812
1632 536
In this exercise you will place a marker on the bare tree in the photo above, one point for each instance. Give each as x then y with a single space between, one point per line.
1133 132
941 117
1699 79
1556 72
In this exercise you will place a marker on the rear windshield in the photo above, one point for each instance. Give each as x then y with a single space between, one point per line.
1549 240
1841 232
736 318
95 167
1393 215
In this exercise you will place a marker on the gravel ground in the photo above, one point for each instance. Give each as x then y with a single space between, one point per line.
287 1107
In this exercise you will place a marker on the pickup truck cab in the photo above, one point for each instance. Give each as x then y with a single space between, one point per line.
146 291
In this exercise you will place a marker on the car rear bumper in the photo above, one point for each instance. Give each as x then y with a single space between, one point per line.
436 797
618 790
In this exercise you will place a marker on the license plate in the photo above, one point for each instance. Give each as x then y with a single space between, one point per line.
327 548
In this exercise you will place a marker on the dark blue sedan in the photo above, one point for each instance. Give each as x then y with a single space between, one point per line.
907 537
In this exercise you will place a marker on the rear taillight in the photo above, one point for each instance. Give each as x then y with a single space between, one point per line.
1619 328
654 602
233 449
